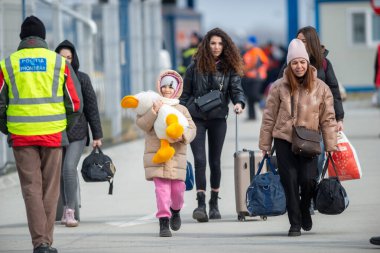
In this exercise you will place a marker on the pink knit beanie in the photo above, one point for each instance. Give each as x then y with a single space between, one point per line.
296 49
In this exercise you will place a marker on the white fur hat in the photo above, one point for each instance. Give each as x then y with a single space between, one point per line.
296 49
170 77
169 80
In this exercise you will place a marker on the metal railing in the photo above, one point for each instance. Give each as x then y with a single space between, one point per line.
100 62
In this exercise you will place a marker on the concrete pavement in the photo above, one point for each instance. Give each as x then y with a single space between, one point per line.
125 222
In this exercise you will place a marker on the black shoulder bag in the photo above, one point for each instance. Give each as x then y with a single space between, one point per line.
212 99
98 167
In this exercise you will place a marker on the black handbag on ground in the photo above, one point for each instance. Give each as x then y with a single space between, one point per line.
330 196
305 142
212 99
98 167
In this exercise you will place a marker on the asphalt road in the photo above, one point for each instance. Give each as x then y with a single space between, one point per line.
125 221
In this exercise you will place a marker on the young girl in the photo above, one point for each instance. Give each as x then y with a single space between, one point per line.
168 177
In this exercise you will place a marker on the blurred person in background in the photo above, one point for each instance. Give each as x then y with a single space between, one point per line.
187 53
376 239
277 58
40 100
256 64
376 81
217 62
165 61
78 136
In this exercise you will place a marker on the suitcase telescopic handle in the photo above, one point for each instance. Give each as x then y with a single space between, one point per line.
236 133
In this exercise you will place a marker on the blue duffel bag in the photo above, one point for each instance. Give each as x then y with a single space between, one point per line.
265 195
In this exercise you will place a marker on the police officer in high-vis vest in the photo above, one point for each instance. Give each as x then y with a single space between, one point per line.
40 97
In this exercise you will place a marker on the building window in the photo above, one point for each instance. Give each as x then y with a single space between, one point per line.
358 28
375 27
364 27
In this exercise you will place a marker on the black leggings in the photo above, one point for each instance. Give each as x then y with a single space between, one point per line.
296 173
216 129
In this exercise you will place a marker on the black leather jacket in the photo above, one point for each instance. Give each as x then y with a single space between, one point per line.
196 85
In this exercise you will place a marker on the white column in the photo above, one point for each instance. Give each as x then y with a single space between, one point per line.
57 22
136 46
111 49
85 46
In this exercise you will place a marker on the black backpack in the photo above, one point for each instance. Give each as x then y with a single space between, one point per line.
97 167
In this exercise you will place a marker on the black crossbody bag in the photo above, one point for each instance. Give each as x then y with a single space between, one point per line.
212 99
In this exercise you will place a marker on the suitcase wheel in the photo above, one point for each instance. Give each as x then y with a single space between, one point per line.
264 218
241 217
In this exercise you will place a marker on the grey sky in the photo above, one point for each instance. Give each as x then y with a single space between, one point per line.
265 19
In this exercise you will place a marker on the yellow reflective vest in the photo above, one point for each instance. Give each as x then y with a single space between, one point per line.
35 77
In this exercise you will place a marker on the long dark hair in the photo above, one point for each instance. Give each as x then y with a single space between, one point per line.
230 58
307 80
313 45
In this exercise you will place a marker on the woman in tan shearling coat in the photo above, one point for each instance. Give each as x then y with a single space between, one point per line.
168 177
313 109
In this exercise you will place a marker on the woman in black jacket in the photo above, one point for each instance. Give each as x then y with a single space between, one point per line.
78 136
317 53
217 65
318 58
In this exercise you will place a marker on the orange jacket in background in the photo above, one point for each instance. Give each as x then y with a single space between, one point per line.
256 63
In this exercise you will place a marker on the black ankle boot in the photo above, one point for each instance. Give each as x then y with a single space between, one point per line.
294 231
214 213
307 222
175 220
164 227
200 213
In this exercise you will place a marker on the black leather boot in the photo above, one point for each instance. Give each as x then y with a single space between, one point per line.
164 227
294 231
214 213
200 213
175 220
307 222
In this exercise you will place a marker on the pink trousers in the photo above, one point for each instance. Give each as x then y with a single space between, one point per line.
169 193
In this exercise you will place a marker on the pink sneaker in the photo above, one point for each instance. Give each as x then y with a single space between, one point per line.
70 218
63 219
